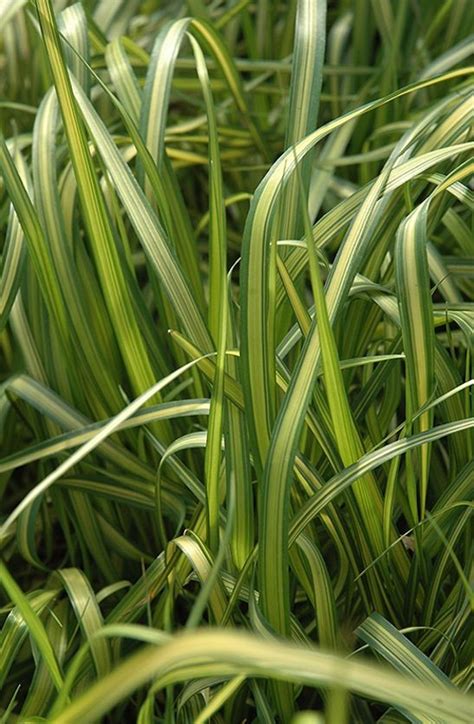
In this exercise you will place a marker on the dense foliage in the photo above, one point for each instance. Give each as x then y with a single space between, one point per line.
236 326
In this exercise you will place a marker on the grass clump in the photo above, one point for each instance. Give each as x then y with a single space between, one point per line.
236 361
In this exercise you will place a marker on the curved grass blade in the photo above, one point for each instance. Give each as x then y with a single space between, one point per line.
213 653
88 614
323 595
218 311
15 629
35 626
36 244
123 78
398 650
305 90
201 560
13 256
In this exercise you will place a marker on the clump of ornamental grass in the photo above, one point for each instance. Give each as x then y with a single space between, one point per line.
236 361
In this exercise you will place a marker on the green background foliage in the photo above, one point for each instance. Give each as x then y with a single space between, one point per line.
236 327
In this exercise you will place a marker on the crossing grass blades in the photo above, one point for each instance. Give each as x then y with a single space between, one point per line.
236 327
